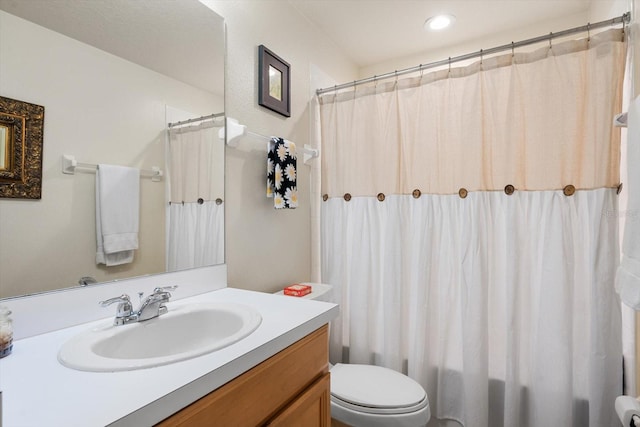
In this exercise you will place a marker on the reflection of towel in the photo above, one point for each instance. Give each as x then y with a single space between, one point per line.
281 173
117 214
628 275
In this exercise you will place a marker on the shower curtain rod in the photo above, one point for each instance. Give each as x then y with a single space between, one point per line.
623 19
199 119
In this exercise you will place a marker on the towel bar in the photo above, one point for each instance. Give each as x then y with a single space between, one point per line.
70 164
234 131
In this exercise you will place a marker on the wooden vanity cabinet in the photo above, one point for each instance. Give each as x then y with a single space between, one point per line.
289 389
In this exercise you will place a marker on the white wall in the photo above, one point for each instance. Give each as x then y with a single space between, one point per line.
265 248
101 109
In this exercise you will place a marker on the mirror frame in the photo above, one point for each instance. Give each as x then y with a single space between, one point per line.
22 178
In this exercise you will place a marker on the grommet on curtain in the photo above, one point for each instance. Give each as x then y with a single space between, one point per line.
463 193
416 194
325 197
347 197
509 189
381 197
200 201
569 190
218 201
619 189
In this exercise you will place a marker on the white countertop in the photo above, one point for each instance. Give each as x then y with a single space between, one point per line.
38 391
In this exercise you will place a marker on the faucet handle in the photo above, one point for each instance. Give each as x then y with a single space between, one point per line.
124 298
125 309
165 289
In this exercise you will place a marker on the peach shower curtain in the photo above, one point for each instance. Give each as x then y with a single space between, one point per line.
469 227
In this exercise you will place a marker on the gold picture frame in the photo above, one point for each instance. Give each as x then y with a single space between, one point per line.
21 136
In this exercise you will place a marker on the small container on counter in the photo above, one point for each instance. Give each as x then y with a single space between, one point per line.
6 332
297 290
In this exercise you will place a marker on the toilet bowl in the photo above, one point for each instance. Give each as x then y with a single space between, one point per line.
373 396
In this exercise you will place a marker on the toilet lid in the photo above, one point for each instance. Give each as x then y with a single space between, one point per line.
374 386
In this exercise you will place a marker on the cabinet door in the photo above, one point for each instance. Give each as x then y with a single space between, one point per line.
311 409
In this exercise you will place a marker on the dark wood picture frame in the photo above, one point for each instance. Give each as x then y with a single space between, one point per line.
22 125
274 82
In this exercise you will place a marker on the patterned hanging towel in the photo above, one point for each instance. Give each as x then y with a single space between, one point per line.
281 173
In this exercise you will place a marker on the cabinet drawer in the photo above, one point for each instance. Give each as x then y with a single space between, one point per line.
256 396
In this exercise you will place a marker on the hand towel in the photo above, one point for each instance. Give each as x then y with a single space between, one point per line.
282 174
628 274
117 214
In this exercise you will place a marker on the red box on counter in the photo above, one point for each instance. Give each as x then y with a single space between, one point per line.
297 290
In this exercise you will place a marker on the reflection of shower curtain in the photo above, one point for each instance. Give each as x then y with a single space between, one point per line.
460 253
196 219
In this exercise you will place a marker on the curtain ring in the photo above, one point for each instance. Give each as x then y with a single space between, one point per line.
513 49
550 38
481 56
449 65
421 72
588 32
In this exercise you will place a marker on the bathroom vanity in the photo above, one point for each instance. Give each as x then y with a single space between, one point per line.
277 374
290 388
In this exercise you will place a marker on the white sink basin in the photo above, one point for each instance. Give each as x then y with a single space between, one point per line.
185 332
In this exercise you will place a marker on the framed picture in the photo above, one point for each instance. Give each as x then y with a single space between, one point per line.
21 135
273 82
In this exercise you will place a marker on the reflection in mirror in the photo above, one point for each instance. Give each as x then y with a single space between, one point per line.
111 74
4 147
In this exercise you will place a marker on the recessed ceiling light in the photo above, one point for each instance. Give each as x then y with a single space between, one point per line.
439 22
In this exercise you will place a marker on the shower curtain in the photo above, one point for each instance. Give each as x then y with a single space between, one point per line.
196 208
469 227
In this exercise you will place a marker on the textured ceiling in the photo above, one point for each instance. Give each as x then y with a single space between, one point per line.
182 39
374 31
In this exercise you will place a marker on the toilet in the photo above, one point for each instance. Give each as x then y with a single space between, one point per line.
373 396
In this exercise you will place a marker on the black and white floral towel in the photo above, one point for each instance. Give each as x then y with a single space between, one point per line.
281 173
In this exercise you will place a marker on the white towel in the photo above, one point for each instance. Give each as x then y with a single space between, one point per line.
628 274
117 214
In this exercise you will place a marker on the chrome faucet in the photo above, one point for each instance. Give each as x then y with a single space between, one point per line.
152 306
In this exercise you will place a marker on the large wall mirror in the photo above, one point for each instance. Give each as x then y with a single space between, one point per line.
111 74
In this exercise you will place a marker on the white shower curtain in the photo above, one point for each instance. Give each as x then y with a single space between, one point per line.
196 208
500 303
